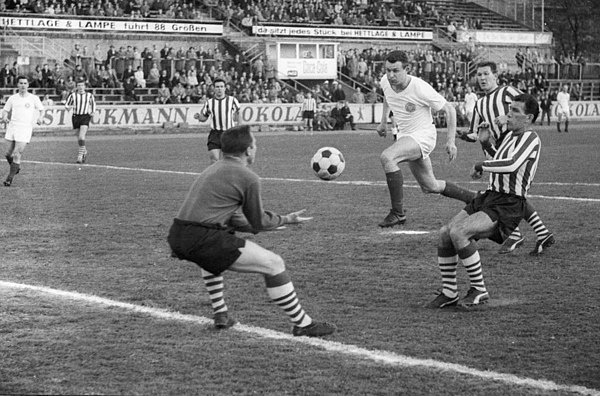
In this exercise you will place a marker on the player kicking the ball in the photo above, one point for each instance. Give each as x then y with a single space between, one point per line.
203 232
495 213
411 101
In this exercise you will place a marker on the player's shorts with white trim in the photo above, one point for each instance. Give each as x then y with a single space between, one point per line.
214 139
507 209
211 247
18 132
81 119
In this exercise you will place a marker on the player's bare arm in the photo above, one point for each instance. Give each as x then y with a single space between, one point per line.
451 135
382 127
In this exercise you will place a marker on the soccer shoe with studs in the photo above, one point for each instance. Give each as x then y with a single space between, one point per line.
315 329
473 298
223 321
392 219
542 244
442 301
8 182
510 245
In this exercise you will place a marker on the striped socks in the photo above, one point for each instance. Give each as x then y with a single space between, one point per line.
281 291
214 285
472 262
447 261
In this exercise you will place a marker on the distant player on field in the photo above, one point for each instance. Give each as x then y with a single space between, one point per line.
83 105
562 107
309 106
226 198
224 110
489 124
496 212
411 100
25 109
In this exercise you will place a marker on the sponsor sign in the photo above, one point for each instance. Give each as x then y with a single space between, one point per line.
56 117
348 33
107 25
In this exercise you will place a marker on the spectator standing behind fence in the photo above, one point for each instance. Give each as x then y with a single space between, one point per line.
545 106
6 76
563 109
470 101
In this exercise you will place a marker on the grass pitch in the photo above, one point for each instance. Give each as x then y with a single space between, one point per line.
100 229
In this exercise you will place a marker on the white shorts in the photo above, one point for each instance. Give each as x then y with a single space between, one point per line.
563 115
18 133
425 141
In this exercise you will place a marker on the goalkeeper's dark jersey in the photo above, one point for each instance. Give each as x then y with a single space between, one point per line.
219 193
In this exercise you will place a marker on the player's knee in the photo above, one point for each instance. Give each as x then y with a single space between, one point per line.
456 232
445 235
275 264
388 161
431 187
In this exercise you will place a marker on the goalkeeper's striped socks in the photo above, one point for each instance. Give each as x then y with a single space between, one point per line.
214 285
281 291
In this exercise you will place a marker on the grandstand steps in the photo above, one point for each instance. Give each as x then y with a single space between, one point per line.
458 10
250 47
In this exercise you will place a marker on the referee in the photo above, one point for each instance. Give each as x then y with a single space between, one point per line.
224 111
83 105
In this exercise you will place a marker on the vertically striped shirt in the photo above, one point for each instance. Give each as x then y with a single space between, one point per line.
82 103
513 167
222 112
491 106
309 104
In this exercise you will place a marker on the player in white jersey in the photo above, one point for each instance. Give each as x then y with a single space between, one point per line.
412 100
20 112
470 101
562 107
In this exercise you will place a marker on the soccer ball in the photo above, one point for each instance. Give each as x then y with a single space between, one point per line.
328 163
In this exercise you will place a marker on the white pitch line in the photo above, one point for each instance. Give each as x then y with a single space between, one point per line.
316 180
406 232
380 356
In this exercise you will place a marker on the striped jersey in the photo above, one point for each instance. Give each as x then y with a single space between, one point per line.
514 164
82 103
491 106
309 104
222 112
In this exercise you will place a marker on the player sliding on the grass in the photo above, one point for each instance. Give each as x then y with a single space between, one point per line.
411 101
495 213
226 198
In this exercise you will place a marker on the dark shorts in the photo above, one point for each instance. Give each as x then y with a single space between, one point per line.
214 139
507 210
308 114
81 119
212 248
